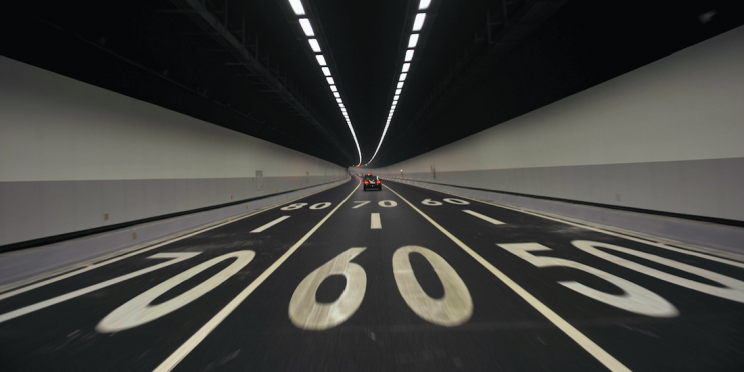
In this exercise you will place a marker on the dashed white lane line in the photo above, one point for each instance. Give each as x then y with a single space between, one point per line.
484 218
376 222
597 352
272 223
206 329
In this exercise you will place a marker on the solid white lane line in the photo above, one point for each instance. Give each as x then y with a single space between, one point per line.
484 218
272 223
376 223
597 352
206 329
95 265
690 252
175 257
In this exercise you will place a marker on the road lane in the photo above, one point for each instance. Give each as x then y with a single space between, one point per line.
404 319
63 336
333 293
705 335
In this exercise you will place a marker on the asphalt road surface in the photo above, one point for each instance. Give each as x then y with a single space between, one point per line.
403 279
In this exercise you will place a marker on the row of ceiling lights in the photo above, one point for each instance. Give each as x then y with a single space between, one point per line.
418 24
307 28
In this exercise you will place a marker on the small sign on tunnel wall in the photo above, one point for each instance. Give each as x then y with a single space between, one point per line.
259 180
434 172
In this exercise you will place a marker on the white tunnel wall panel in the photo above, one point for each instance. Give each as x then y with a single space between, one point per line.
668 136
70 153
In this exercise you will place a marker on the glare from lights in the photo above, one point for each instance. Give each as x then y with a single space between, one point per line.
402 76
305 24
314 45
321 59
424 4
417 23
409 55
411 42
326 71
406 66
330 80
333 88
299 10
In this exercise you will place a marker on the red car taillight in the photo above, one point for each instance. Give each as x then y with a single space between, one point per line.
366 182
379 182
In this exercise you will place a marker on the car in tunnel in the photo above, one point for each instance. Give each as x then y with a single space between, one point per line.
372 182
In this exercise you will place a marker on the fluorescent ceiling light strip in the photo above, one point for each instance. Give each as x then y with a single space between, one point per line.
417 23
400 85
406 67
299 10
314 45
305 24
424 4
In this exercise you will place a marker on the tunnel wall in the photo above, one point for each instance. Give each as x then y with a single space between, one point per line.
666 137
72 153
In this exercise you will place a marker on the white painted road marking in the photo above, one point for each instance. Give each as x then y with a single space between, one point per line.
206 329
272 223
597 352
453 309
307 313
175 257
362 203
484 218
140 310
376 222
634 299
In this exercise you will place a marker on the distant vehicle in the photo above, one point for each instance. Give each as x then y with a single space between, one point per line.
372 182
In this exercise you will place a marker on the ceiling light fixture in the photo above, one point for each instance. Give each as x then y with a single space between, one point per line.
424 4
413 40
409 55
314 45
321 59
326 71
299 10
417 23
406 66
305 24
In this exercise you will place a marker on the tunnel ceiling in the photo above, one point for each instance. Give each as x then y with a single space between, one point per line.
465 76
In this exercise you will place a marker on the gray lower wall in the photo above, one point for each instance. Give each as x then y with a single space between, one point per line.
709 188
36 209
